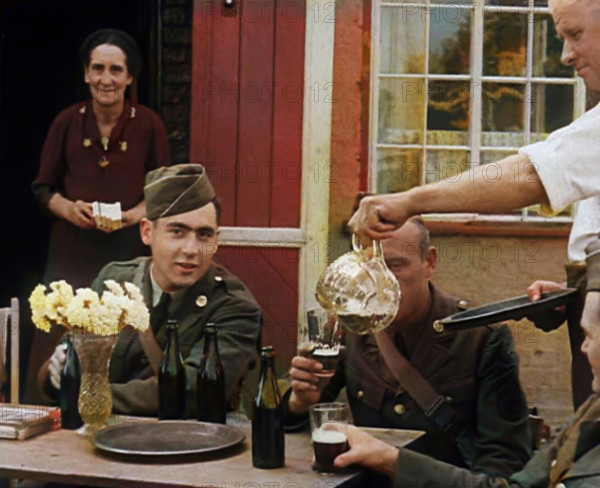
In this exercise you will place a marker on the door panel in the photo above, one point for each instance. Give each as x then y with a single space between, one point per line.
247 119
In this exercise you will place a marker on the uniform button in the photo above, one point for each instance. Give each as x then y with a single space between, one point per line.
463 304
360 394
439 328
553 463
449 399
201 301
400 409
218 278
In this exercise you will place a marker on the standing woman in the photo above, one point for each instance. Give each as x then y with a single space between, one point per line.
99 150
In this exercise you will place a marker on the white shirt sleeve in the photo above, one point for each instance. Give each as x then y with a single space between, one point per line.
585 228
568 161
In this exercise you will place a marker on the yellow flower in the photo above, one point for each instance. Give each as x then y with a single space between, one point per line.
114 287
118 307
82 309
37 300
57 301
138 315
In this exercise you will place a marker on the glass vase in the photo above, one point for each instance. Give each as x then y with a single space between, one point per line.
95 400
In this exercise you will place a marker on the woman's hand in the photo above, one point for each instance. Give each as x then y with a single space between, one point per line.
78 213
134 214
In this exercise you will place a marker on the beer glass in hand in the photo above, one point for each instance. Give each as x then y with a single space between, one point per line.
319 339
328 423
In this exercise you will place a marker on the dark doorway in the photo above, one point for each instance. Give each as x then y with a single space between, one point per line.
39 76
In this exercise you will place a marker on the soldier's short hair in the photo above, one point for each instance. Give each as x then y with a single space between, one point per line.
424 236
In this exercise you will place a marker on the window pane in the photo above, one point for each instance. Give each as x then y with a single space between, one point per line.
401 111
448 112
503 114
426 115
398 169
551 109
450 40
504 43
402 40
547 48
445 165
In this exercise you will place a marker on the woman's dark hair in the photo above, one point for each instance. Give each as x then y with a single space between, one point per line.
115 37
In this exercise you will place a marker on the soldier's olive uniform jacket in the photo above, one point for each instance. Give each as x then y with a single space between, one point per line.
477 370
218 297
583 473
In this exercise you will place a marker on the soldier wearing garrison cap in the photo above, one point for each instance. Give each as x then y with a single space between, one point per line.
180 281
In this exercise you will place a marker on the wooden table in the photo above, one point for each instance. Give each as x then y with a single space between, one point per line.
64 456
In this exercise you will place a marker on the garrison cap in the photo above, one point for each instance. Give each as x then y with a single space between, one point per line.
172 190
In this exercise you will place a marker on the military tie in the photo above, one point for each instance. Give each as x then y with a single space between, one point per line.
159 313
567 441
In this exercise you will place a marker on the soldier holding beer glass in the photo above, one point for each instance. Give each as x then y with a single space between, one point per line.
459 366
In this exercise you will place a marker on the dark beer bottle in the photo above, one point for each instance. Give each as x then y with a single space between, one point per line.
211 380
70 381
171 378
268 446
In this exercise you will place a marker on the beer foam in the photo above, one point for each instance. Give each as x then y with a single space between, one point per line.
327 436
326 352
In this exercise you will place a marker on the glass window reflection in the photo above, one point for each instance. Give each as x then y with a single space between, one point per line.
398 169
401 111
503 113
402 40
450 40
504 43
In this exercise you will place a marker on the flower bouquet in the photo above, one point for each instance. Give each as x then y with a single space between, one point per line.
95 323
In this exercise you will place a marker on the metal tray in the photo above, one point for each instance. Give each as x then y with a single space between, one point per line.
166 438
513 308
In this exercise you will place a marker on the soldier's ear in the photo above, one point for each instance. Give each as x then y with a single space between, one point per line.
431 261
146 231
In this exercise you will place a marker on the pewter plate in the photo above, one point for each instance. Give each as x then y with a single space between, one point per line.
513 308
166 438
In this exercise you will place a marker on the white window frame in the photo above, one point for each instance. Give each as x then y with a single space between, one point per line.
477 79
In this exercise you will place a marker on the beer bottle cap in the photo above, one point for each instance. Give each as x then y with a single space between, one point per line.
172 324
211 328
267 352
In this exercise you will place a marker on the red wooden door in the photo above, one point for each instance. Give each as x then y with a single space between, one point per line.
246 128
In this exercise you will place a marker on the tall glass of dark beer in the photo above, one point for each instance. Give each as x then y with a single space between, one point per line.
328 423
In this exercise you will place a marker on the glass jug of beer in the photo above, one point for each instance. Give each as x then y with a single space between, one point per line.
360 289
